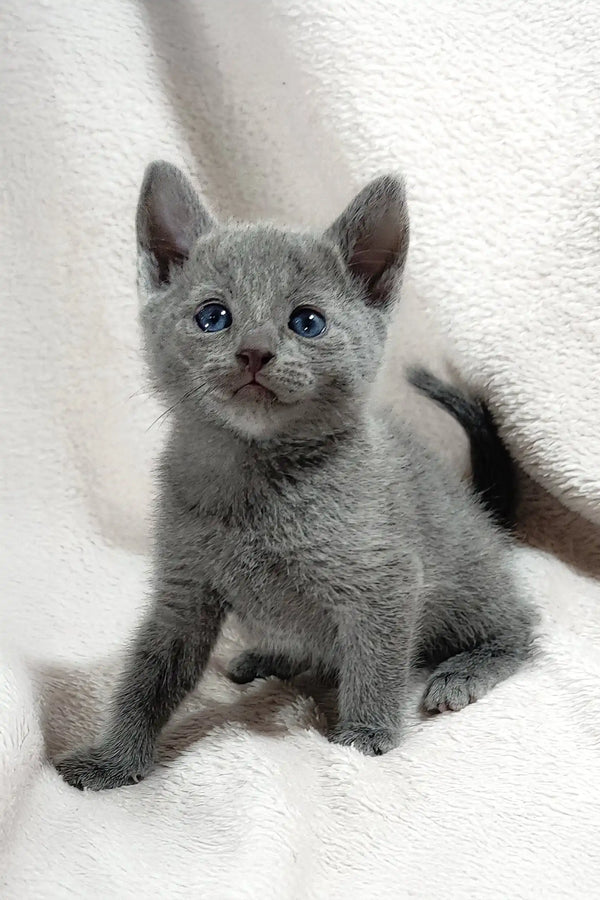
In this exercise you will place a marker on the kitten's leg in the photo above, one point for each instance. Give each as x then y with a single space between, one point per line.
373 678
466 677
253 664
169 655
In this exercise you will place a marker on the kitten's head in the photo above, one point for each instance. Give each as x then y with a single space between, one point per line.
262 330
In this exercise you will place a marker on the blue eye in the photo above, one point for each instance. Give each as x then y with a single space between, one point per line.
307 322
213 317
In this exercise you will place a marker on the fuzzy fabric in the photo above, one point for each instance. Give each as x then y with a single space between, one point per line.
282 110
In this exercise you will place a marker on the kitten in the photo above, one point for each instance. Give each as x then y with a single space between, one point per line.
288 499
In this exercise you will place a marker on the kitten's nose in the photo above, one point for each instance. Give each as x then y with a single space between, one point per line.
253 360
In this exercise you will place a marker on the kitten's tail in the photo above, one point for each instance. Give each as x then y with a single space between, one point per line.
494 476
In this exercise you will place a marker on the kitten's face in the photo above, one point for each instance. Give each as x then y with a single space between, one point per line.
255 298
263 331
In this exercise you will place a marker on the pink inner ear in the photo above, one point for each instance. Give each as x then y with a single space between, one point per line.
166 254
171 231
166 247
371 262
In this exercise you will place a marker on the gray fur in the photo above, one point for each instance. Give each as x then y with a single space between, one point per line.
327 529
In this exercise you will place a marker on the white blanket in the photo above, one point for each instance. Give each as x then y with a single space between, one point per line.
282 110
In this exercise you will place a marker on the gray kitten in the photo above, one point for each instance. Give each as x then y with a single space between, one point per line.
285 497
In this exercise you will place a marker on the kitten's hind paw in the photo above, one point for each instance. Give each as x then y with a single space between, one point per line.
93 770
451 691
370 741
466 677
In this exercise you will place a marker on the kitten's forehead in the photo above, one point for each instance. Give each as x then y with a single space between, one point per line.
265 258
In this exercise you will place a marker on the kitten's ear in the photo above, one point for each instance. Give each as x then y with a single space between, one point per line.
372 234
170 218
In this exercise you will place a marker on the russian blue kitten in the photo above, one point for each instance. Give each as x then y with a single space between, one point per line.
285 497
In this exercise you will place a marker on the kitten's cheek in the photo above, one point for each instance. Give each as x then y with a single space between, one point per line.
296 390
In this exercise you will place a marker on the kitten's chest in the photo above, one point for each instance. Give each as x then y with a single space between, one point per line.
287 548
272 563
263 547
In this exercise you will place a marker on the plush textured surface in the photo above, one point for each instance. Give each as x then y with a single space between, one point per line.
283 110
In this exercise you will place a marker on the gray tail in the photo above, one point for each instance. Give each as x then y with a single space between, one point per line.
494 476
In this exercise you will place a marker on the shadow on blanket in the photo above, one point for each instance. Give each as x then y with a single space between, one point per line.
548 525
74 702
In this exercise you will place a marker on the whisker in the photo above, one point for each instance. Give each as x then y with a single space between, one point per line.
181 400
145 391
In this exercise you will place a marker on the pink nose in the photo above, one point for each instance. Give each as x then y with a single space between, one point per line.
254 360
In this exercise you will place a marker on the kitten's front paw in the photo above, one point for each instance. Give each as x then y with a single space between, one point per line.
370 741
252 664
246 667
93 770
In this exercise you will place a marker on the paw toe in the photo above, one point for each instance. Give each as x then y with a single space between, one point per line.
370 741
87 770
243 669
450 691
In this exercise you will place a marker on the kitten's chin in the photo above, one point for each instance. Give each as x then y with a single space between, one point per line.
255 421
255 392
255 414
263 418
252 412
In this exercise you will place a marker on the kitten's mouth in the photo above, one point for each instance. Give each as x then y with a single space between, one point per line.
253 390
